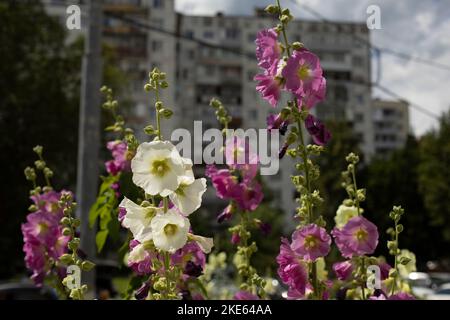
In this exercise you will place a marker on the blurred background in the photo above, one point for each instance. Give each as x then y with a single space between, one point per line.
387 99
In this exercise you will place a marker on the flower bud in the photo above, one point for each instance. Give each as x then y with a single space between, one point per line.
66 232
148 87
38 149
166 113
66 259
271 9
87 265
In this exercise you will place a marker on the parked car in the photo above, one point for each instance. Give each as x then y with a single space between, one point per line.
25 291
421 284
442 293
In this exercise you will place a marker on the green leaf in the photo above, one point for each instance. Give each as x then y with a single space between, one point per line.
100 239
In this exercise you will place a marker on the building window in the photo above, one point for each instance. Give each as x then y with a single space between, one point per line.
253 114
189 34
157 45
251 37
359 117
158 3
231 33
208 35
357 61
207 21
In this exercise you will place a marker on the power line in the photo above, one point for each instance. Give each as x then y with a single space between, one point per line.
178 36
414 105
252 57
398 54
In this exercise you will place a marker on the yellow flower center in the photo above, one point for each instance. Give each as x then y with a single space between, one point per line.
170 229
303 72
42 228
160 167
150 213
361 235
310 242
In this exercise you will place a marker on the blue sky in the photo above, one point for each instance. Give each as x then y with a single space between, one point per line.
419 28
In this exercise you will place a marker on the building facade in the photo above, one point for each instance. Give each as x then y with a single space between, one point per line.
391 125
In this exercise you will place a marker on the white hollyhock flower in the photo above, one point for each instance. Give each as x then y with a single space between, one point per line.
188 197
345 213
170 231
204 243
138 254
157 167
188 176
138 219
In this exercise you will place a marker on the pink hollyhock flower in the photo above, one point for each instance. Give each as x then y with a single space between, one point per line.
268 50
190 252
41 228
317 130
343 270
144 266
238 155
311 242
226 214
35 256
47 203
398 296
248 196
358 237
291 270
235 239
303 74
276 121
401 296
270 84
120 162
222 180
310 99
245 295
122 213
384 270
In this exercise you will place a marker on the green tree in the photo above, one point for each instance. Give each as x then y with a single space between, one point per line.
395 181
39 100
434 178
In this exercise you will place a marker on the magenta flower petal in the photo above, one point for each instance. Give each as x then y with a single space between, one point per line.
343 270
267 48
317 130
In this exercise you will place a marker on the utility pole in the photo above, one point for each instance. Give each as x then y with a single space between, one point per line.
89 133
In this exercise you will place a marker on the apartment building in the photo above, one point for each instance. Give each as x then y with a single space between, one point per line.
391 125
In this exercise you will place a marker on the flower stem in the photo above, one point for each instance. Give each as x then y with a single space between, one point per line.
356 190
304 156
157 115
363 272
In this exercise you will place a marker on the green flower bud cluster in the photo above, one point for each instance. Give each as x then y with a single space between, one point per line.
157 81
70 223
221 113
355 196
40 165
165 286
393 246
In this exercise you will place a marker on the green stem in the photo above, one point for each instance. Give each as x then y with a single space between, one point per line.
356 191
304 157
158 117
363 271
394 282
